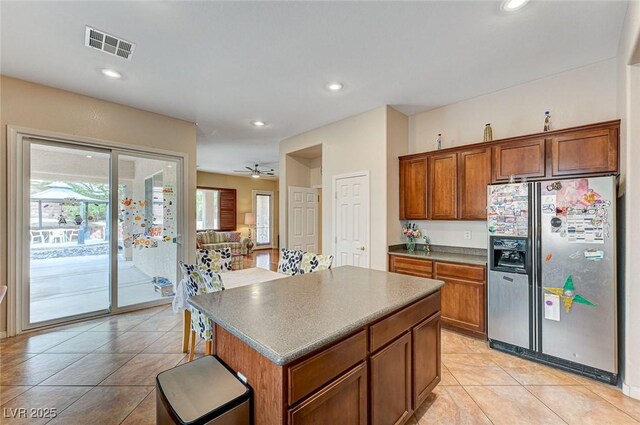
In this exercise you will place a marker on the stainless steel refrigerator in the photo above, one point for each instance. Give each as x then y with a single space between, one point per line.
552 273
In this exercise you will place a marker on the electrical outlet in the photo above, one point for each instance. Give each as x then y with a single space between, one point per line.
467 234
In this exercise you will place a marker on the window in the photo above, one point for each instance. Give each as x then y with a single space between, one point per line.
263 207
215 209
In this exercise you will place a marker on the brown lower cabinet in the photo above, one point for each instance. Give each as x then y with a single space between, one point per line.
379 375
464 305
426 345
391 372
341 402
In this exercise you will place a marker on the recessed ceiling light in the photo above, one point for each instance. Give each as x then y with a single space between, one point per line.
89 156
169 166
513 5
110 73
258 123
335 86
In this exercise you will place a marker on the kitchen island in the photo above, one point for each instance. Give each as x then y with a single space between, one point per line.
347 346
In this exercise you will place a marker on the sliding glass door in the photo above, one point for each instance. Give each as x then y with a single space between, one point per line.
147 227
68 231
73 196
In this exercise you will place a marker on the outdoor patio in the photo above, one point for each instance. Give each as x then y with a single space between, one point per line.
65 286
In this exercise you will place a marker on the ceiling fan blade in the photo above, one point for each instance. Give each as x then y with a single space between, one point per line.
250 169
241 171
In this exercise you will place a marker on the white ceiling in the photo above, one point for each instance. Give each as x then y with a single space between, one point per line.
223 64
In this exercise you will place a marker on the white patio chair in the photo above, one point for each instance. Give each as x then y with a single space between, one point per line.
37 236
57 235
72 235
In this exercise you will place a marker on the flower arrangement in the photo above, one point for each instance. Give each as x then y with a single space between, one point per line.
411 232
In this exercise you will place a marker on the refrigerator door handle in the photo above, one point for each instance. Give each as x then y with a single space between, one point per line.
537 270
534 267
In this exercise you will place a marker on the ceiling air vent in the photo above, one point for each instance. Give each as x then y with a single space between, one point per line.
108 43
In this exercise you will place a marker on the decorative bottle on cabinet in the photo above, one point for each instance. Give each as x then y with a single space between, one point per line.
547 121
488 133
439 141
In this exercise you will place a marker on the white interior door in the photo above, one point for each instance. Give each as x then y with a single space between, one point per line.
351 224
303 219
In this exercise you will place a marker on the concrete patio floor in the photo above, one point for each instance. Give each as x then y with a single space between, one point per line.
67 286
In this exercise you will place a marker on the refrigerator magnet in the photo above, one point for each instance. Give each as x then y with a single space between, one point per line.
592 254
552 307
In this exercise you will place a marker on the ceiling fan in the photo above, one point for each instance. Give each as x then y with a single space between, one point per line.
256 172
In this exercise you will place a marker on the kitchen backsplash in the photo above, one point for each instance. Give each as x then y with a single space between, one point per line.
451 233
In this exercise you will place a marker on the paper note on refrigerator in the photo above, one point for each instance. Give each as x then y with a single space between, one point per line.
552 307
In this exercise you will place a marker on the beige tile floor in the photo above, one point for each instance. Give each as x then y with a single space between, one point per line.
483 386
103 371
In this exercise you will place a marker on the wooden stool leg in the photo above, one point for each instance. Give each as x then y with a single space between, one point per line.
192 346
208 348
186 322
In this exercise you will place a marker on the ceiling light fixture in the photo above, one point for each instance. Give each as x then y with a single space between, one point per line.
334 86
513 5
89 156
111 73
258 123
255 175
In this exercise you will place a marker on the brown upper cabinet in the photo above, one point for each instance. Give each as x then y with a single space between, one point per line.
413 189
474 175
451 184
585 152
443 187
525 158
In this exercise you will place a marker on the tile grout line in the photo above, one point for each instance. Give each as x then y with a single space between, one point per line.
138 405
476 403
545 405
588 387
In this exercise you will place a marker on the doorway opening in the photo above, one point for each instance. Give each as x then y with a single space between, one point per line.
304 199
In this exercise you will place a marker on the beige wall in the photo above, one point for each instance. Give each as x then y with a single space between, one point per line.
581 96
244 187
397 145
629 111
354 144
45 108
298 173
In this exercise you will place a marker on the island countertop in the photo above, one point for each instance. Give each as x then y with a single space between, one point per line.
287 318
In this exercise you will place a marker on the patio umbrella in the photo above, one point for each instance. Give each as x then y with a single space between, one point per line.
59 192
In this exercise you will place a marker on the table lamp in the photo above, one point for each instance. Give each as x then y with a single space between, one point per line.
250 220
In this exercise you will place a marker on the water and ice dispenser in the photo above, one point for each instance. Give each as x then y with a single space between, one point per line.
508 254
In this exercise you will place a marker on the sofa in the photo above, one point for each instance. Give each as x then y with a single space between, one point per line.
211 239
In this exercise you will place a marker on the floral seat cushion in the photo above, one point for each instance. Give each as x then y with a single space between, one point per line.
314 262
217 260
198 282
289 262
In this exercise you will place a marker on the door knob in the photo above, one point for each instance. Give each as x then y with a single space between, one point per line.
361 248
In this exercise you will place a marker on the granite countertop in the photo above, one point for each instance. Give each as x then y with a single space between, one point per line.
453 255
285 319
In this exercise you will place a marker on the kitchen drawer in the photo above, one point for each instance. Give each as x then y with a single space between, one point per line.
344 401
411 266
461 271
393 326
311 374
